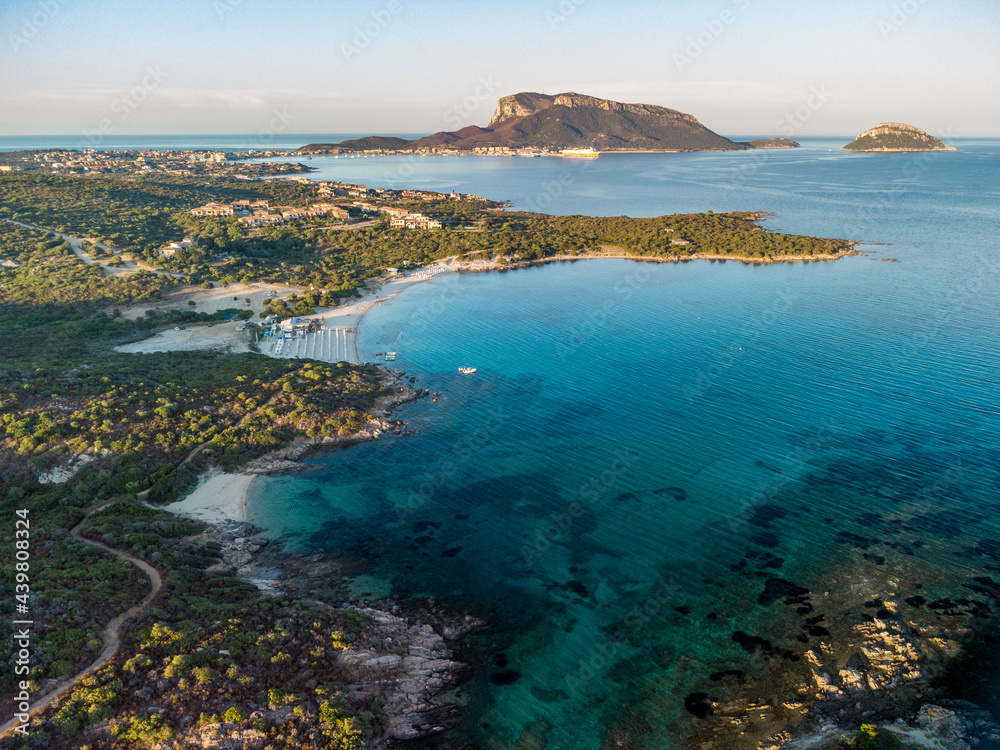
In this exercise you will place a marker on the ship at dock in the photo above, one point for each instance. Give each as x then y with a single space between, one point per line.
580 153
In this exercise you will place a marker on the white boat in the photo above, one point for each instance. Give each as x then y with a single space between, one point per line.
467 370
581 153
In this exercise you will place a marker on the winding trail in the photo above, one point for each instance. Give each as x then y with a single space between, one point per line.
76 243
110 634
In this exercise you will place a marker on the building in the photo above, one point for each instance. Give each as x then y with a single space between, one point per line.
173 247
328 209
415 221
213 209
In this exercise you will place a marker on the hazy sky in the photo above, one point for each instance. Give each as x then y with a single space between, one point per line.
743 67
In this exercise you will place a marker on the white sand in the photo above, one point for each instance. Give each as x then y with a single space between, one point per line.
330 346
215 299
193 337
217 498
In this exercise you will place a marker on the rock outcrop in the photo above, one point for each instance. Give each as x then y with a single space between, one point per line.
401 661
529 103
287 459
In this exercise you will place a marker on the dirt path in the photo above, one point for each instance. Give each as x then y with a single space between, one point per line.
110 635
76 243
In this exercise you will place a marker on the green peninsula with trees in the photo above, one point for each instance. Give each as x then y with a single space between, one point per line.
211 656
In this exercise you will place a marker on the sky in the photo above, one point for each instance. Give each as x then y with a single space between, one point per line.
742 67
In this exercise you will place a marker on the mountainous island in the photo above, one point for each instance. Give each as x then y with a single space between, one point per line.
895 136
562 121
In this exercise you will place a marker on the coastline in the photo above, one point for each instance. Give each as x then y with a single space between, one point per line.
218 498
352 315
410 650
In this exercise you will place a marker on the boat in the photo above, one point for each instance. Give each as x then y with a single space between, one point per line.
580 153
390 355
467 370
379 354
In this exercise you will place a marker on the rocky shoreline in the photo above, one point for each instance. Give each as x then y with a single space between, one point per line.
874 648
412 664
289 458
493 265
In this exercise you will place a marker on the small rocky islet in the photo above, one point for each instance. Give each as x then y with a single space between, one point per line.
895 136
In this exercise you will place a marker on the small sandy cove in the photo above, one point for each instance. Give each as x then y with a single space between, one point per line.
338 346
219 497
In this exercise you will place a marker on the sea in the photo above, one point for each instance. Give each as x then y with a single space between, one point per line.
643 446
646 447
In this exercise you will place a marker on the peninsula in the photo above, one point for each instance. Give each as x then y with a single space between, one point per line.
549 123
895 136
141 307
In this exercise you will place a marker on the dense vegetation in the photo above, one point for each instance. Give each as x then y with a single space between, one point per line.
891 136
141 216
131 427
210 655
149 424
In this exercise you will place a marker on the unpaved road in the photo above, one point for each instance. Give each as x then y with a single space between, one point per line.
110 635
76 243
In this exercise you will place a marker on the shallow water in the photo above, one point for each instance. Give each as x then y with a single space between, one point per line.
644 445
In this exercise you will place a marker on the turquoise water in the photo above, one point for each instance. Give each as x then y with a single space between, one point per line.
644 444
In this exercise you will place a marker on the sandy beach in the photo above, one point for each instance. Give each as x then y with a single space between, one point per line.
218 498
350 316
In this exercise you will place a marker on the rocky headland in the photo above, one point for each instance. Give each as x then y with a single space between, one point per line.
403 661
381 423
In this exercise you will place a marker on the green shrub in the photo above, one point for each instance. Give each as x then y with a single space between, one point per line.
203 675
147 731
137 662
235 713
341 730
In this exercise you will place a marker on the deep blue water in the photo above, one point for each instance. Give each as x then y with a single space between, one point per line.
606 470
